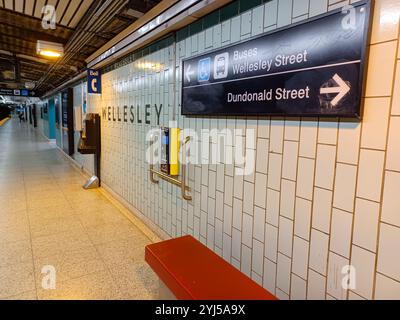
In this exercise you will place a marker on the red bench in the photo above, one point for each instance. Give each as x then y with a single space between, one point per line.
191 271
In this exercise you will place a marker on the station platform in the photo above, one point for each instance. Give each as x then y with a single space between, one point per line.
47 219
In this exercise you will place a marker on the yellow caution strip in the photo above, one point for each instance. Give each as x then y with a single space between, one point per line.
3 122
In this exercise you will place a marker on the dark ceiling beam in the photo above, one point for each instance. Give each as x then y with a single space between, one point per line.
31 34
11 46
35 20
17 69
14 48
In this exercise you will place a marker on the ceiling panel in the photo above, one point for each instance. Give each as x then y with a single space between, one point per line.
19 6
29 4
70 11
9 4
39 6
82 10
62 6
21 27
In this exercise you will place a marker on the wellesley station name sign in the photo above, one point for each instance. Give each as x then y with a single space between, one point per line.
133 114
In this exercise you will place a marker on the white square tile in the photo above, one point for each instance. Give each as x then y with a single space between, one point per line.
228 190
349 142
273 199
283 274
322 210
292 129
370 174
391 199
257 21
325 166
246 261
218 233
300 7
393 150
237 214
262 155
257 278
302 218
247 230
204 198
289 170
342 223
281 295
276 136
288 196
285 243
258 256
335 276
316 286
386 288
236 243
264 128
269 282
227 220
248 198
308 139
305 178
375 123
381 69
345 185
319 251
271 13
364 263
396 91
274 171
271 242
328 132
298 290
366 221
260 190
300 257
284 12
259 223
245 27
385 28
389 253
238 186
355 297
227 248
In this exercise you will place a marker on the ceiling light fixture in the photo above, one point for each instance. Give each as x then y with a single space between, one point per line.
49 49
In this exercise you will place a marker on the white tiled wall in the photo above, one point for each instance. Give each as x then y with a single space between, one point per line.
325 193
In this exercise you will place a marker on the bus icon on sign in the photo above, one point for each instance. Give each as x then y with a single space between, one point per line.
221 66
204 70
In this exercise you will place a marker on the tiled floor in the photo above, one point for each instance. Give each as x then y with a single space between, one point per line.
47 219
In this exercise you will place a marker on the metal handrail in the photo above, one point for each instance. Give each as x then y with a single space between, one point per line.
171 179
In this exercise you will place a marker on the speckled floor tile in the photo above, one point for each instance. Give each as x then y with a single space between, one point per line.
16 279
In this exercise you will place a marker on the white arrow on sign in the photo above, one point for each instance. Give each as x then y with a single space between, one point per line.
189 73
342 90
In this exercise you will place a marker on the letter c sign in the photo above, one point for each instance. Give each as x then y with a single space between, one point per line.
94 81
94 85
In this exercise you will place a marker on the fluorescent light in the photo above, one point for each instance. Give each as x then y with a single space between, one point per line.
49 49
50 54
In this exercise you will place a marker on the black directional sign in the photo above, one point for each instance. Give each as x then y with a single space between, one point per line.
315 68
17 92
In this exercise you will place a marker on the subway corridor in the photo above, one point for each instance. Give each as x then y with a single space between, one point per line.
49 223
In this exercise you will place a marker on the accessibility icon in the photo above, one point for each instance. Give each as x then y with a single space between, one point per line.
204 70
